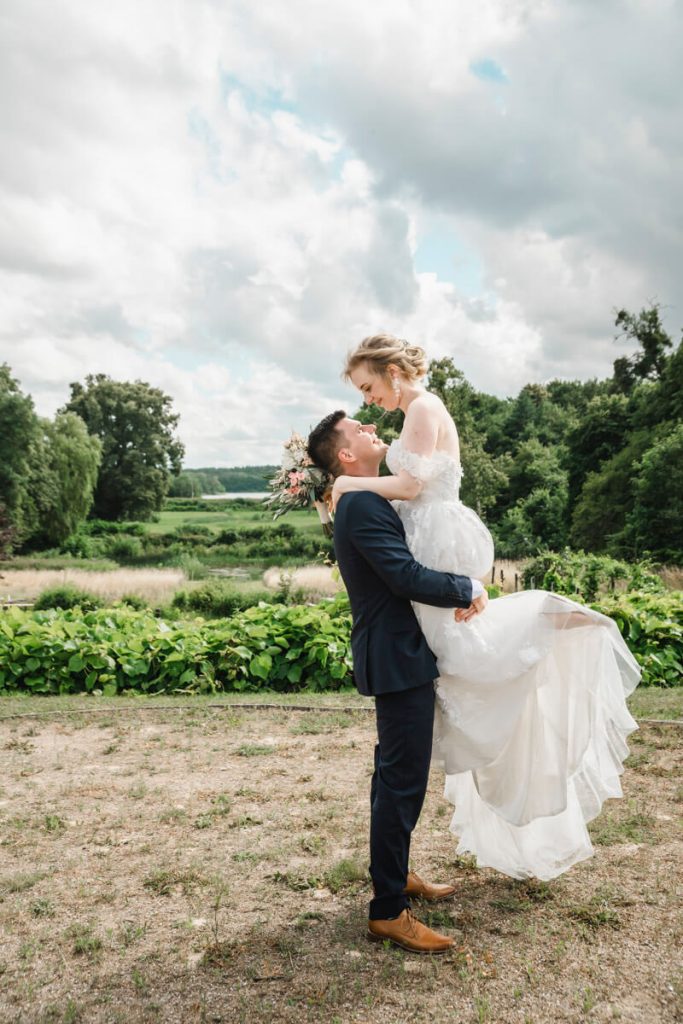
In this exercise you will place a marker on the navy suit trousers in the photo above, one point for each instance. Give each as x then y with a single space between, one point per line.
405 723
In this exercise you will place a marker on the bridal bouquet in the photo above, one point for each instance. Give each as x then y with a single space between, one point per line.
299 484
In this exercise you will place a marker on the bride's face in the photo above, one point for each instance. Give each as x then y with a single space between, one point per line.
376 388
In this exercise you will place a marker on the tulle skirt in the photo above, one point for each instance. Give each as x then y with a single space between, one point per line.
531 720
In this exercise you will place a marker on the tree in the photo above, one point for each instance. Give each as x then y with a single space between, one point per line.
537 521
649 360
534 414
185 485
485 475
656 521
601 432
7 534
136 425
63 470
669 399
600 513
18 430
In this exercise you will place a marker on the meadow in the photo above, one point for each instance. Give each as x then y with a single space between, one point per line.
171 860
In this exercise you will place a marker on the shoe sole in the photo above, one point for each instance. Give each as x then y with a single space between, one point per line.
409 949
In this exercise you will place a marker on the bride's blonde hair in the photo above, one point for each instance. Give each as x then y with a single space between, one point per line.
380 351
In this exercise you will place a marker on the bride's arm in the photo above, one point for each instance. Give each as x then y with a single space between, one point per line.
419 435
403 487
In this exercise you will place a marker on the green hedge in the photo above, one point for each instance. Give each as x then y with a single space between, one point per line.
275 646
219 599
583 576
111 651
66 596
652 626
259 543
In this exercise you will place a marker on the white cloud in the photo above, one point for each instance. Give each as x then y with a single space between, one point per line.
222 198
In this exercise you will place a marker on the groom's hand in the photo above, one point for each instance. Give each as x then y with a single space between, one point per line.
476 608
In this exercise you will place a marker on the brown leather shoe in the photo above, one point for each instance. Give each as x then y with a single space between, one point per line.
408 933
427 890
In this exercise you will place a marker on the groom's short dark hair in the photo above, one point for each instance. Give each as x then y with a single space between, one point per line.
325 441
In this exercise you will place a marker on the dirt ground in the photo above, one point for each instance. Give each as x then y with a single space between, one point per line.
209 865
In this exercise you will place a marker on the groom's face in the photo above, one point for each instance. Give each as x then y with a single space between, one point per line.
363 449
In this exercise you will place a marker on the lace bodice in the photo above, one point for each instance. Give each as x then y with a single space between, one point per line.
441 532
440 472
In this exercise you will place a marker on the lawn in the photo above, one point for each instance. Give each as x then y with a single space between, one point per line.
231 515
169 860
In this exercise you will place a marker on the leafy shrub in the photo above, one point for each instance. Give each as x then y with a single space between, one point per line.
286 648
66 596
218 599
583 576
123 548
192 534
216 505
652 626
80 545
134 601
105 528
192 566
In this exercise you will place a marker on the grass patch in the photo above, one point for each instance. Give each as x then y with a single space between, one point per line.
85 941
163 881
596 914
632 827
315 725
20 883
53 823
295 881
173 815
43 908
253 750
344 874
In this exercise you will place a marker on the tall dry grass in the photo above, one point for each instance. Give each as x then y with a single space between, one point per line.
154 585
312 579
672 576
320 580
509 569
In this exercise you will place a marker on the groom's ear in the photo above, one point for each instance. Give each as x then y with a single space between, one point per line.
345 456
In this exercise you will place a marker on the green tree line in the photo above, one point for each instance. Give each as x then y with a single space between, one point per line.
109 452
192 483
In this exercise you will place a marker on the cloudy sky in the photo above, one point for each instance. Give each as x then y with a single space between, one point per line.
221 196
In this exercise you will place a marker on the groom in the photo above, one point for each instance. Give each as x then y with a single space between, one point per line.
392 663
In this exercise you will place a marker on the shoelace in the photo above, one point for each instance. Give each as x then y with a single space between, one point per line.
412 922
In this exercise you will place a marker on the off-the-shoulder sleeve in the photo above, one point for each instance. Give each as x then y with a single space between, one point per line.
422 467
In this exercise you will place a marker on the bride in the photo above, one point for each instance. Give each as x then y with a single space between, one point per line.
531 719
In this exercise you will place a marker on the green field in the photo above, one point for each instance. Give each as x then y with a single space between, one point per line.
231 515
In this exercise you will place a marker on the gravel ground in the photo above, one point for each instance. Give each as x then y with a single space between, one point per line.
209 865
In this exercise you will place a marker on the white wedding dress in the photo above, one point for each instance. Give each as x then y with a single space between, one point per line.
531 720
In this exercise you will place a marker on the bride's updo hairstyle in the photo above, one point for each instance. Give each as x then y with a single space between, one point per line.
380 351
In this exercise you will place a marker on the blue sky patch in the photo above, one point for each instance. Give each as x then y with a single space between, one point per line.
264 101
488 70
441 252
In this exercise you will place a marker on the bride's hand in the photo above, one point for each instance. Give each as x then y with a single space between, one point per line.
476 608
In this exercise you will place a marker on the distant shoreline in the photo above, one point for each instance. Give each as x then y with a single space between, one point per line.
255 495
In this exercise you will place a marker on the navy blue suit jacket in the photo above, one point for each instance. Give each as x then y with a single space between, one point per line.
382 578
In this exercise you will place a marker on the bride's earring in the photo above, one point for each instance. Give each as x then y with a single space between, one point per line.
396 386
